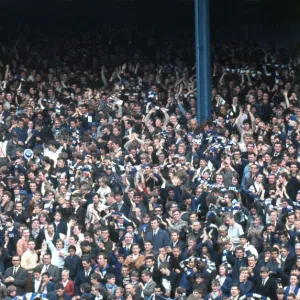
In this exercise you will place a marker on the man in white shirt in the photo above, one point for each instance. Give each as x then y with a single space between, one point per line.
249 249
235 230
37 282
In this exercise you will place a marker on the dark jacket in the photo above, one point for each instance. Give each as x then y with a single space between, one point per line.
20 279
73 263
161 239
80 279
53 296
268 289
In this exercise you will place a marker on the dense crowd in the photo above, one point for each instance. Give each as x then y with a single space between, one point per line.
110 189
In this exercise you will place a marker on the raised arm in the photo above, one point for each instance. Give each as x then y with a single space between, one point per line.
103 77
287 101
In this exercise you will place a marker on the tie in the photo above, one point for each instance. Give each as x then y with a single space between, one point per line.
86 273
154 233
47 266
14 271
263 282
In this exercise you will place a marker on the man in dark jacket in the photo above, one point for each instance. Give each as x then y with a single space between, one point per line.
237 262
16 275
59 293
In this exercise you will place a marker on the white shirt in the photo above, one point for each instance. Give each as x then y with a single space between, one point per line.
222 280
265 281
64 283
45 268
37 284
234 232
15 269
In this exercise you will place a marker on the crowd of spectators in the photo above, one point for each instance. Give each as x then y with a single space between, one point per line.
110 189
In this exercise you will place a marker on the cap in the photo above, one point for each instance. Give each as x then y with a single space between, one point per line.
23 192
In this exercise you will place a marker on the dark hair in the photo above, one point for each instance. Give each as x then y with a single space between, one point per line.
85 287
72 247
109 276
239 248
236 286
86 259
147 273
96 277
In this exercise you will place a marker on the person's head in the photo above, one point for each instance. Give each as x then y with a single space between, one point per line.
31 245
274 253
175 236
229 219
96 289
176 251
297 249
223 230
95 278
136 249
164 268
176 215
196 226
85 288
198 293
16 260
244 273
47 259
154 223
256 220
37 273
264 272
180 291
119 292
280 293
294 280
130 288
291 296
149 261
239 252
252 260
243 239
215 285
283 236
86 263
223 269
135 276
11 291
158 290
125 271
59 289
65 274
146 276
72 250
129 296
59 244
110 278
285 251
46 277
235 290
